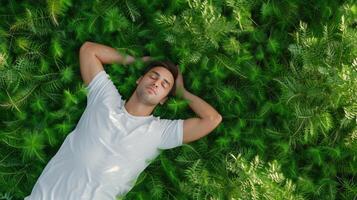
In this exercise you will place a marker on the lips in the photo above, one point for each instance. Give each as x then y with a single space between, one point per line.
149 88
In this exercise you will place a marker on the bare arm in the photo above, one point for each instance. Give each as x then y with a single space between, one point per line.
199 106
196 128
93 55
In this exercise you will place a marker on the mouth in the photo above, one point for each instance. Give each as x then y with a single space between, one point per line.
151 90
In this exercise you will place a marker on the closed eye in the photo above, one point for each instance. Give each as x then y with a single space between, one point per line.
155 77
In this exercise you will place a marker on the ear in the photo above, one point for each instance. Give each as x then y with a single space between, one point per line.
139 79
163 100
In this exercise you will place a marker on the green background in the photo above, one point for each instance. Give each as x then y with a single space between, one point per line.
281 73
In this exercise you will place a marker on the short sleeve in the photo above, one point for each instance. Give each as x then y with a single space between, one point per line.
172 134
102 89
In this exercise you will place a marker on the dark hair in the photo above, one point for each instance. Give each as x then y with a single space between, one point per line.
169 66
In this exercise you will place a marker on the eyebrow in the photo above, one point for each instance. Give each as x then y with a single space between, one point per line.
159 76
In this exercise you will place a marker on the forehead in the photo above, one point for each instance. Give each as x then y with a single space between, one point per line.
164 73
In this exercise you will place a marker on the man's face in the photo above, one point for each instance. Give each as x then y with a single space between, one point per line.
160 80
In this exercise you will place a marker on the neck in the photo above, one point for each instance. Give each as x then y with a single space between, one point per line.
137 108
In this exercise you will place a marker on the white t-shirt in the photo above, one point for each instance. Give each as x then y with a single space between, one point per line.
106 152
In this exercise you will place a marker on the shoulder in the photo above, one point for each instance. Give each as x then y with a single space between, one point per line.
168 123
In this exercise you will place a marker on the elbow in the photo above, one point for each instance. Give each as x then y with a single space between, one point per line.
219 118
86 45
216 119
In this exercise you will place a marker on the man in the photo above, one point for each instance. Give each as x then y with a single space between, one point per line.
115 139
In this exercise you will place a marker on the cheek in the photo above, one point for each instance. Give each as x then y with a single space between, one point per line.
161 92
146 82
166 92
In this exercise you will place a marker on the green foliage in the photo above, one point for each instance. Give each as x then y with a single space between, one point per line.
281 73
256 180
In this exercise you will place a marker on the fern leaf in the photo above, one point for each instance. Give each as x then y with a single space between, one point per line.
33 146
56 8
132 10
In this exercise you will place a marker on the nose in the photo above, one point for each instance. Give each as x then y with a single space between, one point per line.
156 83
